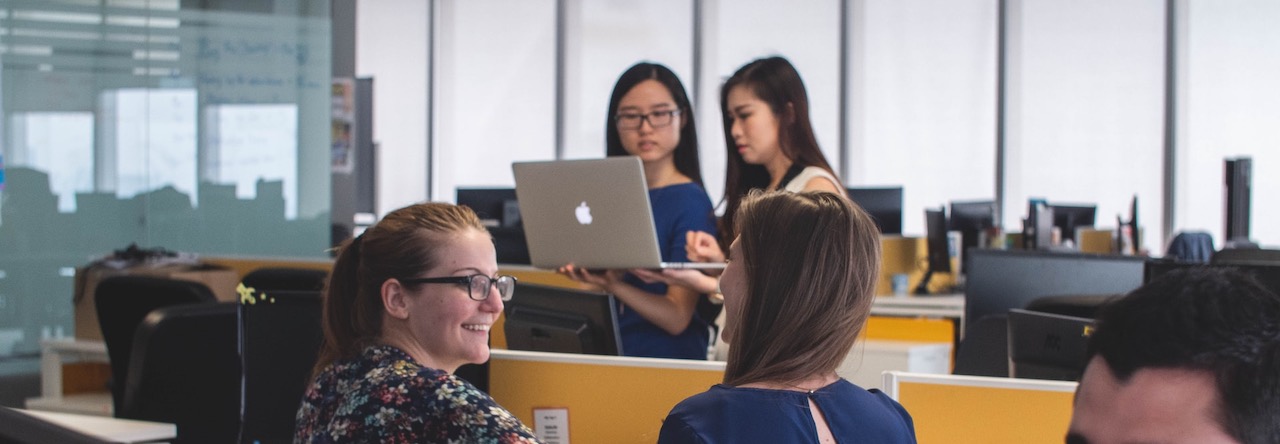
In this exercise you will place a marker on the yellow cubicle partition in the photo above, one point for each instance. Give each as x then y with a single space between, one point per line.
609 399
975 409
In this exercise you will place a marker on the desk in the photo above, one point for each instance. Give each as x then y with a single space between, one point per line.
111 429
949 306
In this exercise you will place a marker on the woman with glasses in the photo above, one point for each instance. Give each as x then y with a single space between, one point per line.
797 290
408 302
650 117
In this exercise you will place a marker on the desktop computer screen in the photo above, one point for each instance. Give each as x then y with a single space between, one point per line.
500 213
562 320
939 253
971 218
1069 217
884 204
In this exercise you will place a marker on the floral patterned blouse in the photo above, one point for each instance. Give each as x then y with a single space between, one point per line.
383 396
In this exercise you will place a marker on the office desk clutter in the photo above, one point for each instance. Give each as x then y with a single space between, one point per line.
409 301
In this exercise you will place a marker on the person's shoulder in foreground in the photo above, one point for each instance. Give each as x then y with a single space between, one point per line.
727 414
1191 357
384 396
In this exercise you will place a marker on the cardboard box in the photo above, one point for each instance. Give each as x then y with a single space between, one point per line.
222 281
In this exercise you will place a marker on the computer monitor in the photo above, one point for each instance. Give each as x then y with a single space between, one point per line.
500 213
884 204
562 320
1069 217
1267 274
971 218
1238 190
1047 346
939 255
1000 280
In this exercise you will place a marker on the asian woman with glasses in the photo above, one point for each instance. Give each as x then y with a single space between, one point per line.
650 117
408 302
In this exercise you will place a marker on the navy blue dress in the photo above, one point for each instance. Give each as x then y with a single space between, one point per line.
677 209
726 414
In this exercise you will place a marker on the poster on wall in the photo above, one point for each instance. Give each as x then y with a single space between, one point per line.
343 125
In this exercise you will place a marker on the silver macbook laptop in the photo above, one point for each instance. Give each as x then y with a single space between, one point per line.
591 213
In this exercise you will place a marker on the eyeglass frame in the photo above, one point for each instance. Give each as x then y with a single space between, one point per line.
493 283
647 117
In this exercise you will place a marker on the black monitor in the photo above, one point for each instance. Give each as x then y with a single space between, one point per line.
1000 280
884 204
971 218
1267 274
562 320
1238 190
1047 346
499 211
939 255
1069 217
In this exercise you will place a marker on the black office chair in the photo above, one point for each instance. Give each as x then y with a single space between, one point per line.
985 348
266 280
1076 305
185 371
1246 256
280 336
122 302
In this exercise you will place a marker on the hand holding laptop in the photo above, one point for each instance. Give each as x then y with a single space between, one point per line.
694 279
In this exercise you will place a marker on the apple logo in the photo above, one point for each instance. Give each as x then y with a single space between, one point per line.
583 212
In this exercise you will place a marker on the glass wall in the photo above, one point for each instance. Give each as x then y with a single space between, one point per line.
150 123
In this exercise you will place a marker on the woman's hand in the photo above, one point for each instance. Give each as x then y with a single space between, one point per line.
603 280
689 278
701 246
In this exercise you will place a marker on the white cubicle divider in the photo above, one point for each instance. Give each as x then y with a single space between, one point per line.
870 358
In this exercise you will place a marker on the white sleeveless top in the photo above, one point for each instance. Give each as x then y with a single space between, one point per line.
797 184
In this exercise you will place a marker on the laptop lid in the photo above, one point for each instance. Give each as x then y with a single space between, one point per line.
593 213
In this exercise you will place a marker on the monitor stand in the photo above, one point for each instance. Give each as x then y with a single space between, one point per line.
923 288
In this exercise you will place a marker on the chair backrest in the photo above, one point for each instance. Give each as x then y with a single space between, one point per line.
984 351
1077 305
284 278
122 302
280 336
185 371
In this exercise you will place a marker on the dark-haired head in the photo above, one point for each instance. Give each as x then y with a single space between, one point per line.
774 81
1218 321
808 259
686 152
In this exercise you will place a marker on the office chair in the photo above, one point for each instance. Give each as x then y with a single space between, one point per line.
1246 256
280 335
1076 305
268 279
122 302
185 370
985 348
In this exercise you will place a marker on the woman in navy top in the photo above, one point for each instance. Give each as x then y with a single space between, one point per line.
650 117
797 290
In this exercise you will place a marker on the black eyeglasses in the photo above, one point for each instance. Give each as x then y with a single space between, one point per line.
657 119
477 284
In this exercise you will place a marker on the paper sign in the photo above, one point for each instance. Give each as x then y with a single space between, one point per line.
551 425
